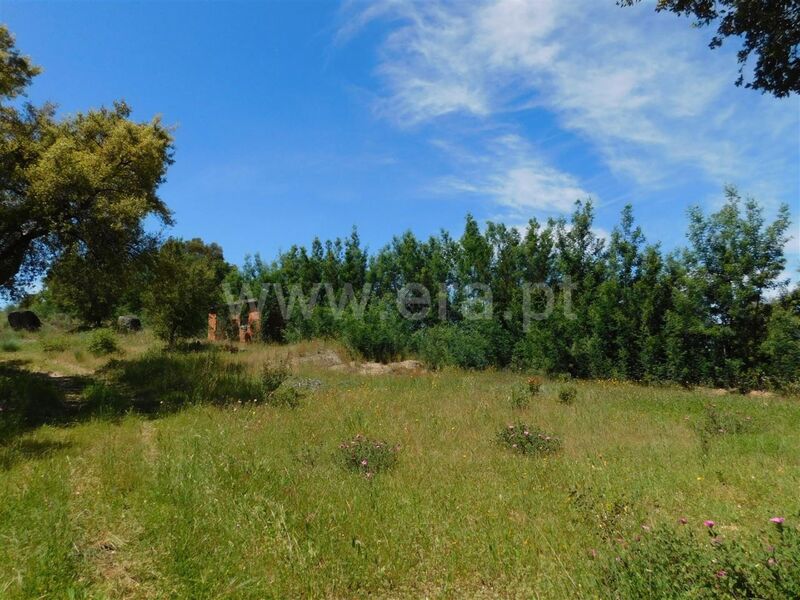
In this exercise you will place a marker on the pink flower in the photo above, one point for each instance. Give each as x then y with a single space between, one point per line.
721 573
777 520
709 524
683 520
364 463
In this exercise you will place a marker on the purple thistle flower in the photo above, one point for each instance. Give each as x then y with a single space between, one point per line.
777 520
709 524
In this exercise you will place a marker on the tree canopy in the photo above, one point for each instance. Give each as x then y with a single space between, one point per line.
769 30
82 184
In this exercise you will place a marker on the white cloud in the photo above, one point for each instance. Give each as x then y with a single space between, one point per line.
510 173
641 88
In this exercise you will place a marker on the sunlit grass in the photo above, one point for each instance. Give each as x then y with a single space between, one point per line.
253 501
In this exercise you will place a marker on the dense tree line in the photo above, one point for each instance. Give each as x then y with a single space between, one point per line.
75 193
714 312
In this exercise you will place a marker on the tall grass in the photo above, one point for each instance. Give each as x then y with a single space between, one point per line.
230 500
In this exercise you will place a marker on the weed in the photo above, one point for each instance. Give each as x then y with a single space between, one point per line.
534 385
10 346
103 342
272 378
286 396
520 397
568 394
54 344
527 440
720 422
674 562
368 456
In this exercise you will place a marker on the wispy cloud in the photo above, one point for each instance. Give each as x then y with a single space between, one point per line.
641 89
511 173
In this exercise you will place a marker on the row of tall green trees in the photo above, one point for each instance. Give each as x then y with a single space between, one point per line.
716 311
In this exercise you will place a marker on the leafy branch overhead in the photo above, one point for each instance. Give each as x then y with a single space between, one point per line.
80 184
769 30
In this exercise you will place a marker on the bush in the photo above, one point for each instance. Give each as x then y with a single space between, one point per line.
467 345
381 334
272 378
54 344
26 400
368 456
520 397
103 399
102 342
670 562
528 440
10 346
568 394
534 385
285 396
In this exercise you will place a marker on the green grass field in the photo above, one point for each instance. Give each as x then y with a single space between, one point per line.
253 501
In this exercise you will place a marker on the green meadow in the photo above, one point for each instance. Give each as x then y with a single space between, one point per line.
247 499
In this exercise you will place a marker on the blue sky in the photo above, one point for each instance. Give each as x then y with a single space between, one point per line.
296 119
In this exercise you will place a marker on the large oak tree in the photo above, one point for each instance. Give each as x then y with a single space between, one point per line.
80 184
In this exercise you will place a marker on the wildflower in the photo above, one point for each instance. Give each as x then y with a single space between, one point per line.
364 462
709 524
777 520
772 562
721 573
683 520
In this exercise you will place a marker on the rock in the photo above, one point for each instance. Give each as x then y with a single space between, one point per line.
305 384
322 358
373 368
407 366
129 323
24 319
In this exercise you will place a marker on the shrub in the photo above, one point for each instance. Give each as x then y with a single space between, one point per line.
520 397
54 344
467 345
101 398
10 346
286 396
272 378
102 342
534 385
380 334
26 400
568 394
528 440
670 562
368 456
